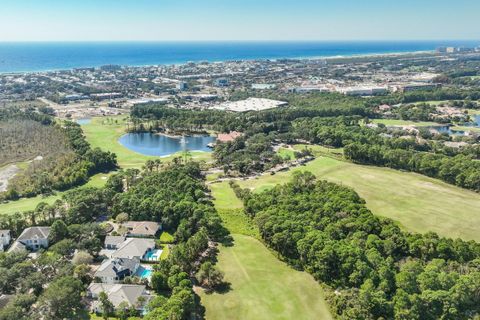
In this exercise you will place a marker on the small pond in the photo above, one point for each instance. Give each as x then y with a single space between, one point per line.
83 121
160 145
447 130
476 121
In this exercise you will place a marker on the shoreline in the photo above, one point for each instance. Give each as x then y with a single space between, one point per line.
180 63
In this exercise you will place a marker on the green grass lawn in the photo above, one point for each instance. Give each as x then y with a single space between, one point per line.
224 197
104 133
26 204
286 153
417 202
166 237
394 122
461 128
433 102
262 287
165 252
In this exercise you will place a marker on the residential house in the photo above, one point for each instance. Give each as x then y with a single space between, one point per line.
112 242
118 293
5 239
146 229
32 239
114 270
133 248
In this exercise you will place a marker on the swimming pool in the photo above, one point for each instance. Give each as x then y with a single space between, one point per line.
153 255
144 272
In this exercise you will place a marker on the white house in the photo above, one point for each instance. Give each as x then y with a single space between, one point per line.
32 239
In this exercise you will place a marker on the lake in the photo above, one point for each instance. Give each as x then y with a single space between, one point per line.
160 145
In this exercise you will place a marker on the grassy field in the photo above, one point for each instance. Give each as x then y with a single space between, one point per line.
262 287
417 202
433 102
224 196
394 122
26 204
461 128
104 133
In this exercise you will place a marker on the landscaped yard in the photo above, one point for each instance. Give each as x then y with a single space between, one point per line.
262 287
419 203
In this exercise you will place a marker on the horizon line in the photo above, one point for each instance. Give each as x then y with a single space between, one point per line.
241 40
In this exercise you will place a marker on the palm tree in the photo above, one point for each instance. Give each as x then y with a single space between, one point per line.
158 164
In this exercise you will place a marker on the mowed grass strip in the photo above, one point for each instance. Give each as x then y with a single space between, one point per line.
417 202
26 204
262 287
104 132
394 122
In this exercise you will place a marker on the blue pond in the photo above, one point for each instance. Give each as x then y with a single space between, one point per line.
151 144
447 130
476 121
83 121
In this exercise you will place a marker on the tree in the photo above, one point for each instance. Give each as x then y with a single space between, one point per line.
122 217
82 272
62 299
208 276
82 257
58 231
159 281
106 305
123 310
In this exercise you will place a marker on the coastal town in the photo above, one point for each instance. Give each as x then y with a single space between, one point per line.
113 89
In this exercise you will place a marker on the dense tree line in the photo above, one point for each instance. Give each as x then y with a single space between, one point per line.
247 155
424 96
177 197
460 170
65 157
374 269
373 146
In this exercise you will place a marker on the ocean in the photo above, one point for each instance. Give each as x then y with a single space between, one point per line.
45 56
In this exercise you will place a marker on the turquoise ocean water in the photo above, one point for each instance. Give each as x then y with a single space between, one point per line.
44 56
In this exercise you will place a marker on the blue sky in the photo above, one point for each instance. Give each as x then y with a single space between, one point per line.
97 20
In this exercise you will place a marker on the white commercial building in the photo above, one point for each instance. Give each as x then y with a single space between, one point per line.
250 104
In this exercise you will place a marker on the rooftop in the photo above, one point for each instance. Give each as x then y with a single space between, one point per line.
250 104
